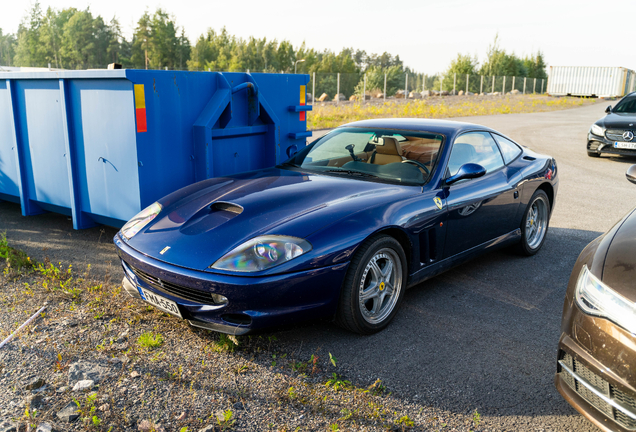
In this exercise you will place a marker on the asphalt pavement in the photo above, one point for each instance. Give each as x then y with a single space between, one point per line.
482 336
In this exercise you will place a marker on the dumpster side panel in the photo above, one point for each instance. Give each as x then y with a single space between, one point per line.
103 131
173 100
9 189
102 145
43 144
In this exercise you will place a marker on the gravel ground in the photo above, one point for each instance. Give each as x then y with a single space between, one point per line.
87 351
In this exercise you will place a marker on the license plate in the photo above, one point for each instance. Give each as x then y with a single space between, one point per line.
160 302
625 145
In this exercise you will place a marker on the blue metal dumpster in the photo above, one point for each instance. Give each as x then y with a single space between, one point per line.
99 146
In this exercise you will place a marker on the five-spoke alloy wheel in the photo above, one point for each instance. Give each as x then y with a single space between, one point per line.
374 286
534 224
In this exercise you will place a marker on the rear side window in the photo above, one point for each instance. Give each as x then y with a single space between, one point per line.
475 147
509 149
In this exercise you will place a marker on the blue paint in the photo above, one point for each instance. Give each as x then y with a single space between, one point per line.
69 143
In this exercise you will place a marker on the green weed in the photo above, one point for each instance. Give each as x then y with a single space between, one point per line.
150 340
336 383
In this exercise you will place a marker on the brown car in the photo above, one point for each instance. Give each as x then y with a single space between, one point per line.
596 369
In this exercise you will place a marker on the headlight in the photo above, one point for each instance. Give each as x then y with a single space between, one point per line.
596 298
597 130
142 219
262 253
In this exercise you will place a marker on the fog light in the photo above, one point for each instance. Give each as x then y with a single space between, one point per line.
219 299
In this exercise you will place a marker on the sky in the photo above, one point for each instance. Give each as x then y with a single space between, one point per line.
427 35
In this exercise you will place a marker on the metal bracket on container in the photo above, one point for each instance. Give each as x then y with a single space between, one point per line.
300 108
215 119
298 135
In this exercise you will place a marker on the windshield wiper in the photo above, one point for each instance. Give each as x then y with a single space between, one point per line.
290 164
351 172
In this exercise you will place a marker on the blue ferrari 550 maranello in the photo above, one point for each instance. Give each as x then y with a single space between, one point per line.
341 229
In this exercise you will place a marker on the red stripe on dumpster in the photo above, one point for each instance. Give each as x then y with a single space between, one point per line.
140 114
302 116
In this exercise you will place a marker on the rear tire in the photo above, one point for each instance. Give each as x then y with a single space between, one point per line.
374 286
534 225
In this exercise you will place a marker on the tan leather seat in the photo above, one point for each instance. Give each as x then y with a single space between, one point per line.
387 153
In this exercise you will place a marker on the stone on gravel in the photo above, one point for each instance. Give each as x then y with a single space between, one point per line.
147 426
45 427
36 401
209 428
84 370
123 337
5 426
62 389
69 413
84 385
35 383
238 406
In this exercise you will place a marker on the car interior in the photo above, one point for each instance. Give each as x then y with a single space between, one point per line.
400 157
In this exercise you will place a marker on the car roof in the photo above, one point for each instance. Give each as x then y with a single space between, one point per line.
445 127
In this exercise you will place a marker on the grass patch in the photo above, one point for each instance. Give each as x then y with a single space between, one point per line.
15 260
332 115
150 340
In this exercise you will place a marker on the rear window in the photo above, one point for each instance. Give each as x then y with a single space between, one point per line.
509 150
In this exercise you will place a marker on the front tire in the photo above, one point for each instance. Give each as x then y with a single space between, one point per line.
593 154
374 286
534 225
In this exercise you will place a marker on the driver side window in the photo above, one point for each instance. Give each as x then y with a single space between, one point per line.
475 147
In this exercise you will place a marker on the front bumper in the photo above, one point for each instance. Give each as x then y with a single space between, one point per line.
601 145
254 303
595 369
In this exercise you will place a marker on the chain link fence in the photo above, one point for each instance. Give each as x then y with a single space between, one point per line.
335 87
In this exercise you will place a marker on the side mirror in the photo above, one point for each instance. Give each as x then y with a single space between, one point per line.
631 174
608 110
467 171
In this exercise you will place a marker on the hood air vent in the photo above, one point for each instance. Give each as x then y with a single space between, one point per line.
229 207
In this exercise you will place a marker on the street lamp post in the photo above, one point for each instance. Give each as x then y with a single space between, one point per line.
296 64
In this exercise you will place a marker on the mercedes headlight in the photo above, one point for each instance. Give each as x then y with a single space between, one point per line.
142 219
596 298
262 253
597 130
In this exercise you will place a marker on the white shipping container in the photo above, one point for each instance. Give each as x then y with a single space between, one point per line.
591 81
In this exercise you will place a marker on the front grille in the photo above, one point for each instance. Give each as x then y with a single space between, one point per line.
184 292
626 402
615 134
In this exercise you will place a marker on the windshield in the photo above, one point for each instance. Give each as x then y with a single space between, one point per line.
393 155
626 106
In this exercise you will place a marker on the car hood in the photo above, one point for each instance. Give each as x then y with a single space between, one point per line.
619 268
618 121
204 221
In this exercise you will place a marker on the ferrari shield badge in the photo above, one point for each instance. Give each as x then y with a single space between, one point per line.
438 202
164 250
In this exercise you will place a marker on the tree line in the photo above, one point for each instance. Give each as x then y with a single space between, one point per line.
76 39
